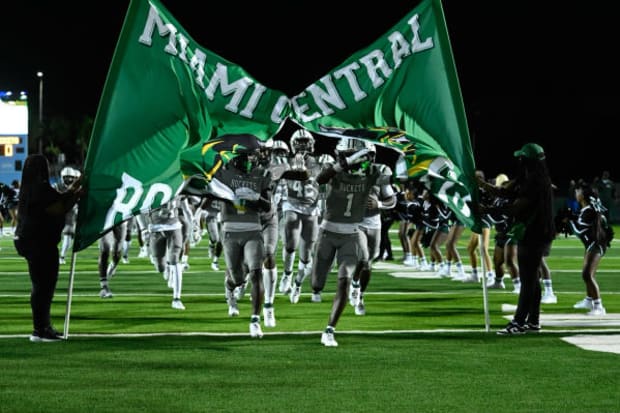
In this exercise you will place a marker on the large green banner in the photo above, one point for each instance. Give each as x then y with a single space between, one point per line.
405 86
172 109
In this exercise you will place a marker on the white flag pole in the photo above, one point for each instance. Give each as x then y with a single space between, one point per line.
69 296
485 293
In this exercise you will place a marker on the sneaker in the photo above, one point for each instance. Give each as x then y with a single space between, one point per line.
512 329
597 311
316 297
143 252
215 266
240 291
105 292
233 310
177 304
255 330
426 267
269 317
61 260
459 276
471 278
295 293
285 284
48 335
531 327
549 298
409 262
496 284
111 270
584 304
444 272
460 273
328 339
360 308
354 294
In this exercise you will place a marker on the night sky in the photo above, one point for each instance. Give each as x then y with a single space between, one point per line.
527 72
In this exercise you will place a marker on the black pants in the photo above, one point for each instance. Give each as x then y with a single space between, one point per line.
530 260
385 245
43 268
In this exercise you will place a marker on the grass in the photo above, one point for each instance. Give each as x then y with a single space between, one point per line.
422 347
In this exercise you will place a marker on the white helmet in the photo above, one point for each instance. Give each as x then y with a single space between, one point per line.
69 175
69 171
372 149
348 146
268 144
326 158
280 148
264 150
302 141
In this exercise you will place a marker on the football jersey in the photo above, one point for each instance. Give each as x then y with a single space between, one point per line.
166 217
302 196
240 217
347 196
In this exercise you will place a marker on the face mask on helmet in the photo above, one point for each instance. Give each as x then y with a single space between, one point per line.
326 158
302 141
346 147
264 151
244 162
69 175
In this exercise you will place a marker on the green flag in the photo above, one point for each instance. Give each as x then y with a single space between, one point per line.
164 98
172 109
404 87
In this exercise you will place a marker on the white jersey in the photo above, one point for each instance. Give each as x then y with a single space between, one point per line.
303 196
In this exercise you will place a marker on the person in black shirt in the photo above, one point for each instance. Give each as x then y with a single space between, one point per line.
533 228
41 217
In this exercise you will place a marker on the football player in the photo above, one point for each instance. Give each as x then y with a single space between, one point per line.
301 211
68 176
110 247
371 234
250 185
350 180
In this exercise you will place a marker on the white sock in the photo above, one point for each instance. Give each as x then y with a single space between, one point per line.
270 278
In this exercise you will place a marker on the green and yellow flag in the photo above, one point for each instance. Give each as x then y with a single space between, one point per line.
404 89
165 96
171 110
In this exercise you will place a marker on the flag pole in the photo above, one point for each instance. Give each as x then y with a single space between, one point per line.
69 296
485 293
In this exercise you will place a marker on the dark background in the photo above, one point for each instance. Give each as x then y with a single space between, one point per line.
542 71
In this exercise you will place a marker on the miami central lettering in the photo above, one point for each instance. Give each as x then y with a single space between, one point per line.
374 65
178 46
327 96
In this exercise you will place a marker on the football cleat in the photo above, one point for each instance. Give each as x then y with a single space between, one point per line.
255 330
177 304
105 292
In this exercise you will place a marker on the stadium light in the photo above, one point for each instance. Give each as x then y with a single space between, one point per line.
40 76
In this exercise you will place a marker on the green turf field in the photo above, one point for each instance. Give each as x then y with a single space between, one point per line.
423 345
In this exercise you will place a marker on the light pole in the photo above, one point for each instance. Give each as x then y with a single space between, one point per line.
40 76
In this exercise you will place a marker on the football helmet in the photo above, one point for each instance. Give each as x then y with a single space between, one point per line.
280 149
350 147
69 175
245 161
264 151
302 141
326 158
